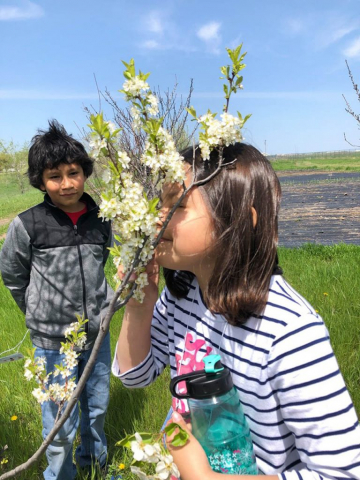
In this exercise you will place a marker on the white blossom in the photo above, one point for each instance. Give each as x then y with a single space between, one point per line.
136 118
144 452
74 327
153 108
40 363
106 176
71 359
142 475
112 127
96 144
134 86
41 395
166 467
81 341
28 375
124 159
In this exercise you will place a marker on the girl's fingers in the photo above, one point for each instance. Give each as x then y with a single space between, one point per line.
121 274
152 269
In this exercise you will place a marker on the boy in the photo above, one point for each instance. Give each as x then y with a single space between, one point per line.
53 262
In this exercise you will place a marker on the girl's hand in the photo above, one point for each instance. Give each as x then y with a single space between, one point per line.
190 459
151 291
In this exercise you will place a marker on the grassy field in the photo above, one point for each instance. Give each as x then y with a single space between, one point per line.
12 201
329 164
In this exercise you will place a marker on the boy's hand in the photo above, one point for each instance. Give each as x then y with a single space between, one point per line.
151 291
190 459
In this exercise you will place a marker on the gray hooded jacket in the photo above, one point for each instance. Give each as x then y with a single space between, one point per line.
55 270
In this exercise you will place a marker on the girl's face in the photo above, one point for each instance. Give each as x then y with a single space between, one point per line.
187 241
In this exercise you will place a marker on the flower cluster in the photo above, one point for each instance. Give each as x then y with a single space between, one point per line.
35 367
216 132
151 456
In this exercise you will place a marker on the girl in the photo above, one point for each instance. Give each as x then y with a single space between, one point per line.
225 294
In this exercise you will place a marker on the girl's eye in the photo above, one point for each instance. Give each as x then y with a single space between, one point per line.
74 173
54 177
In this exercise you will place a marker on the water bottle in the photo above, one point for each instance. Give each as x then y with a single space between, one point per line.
218 421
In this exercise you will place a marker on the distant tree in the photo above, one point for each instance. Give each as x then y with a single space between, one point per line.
348 107
4 161
16 161
172 108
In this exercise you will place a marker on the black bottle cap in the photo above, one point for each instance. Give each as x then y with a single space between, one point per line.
203 385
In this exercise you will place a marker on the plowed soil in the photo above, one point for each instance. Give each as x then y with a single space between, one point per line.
318 210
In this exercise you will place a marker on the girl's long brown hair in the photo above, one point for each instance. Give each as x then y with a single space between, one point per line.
247 254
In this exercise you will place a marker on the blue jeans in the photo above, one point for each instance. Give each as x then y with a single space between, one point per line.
94 401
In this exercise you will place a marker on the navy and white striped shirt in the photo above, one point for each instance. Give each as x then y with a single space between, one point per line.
302 420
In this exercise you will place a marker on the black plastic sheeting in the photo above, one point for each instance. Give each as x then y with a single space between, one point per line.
320 208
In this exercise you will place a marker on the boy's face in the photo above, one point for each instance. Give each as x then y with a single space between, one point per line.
65 186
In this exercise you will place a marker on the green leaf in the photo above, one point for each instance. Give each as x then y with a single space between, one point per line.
180 439
152 204
223 70
126 442
247 118
191 111
169 429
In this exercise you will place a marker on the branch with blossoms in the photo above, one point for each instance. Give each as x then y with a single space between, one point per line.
35 368
132 205
151 460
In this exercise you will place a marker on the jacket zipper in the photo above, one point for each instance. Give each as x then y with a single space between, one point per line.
82 278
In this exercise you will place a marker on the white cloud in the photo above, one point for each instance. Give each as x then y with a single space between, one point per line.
24 11
322 29
332 35
151 45
294 26
353 50
154 23
210 34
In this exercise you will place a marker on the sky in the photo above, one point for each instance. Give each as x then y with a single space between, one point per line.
51 52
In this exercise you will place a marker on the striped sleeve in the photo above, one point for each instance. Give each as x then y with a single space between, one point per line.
158 357
314 403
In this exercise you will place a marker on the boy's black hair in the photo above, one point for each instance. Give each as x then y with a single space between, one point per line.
51 148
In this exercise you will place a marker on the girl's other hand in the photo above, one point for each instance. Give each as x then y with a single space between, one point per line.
190 459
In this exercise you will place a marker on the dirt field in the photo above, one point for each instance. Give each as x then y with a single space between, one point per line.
324 211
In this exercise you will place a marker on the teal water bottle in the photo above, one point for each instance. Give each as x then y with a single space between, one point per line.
217 418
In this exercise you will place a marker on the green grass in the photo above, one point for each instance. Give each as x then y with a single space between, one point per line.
12 201
340 164
313 270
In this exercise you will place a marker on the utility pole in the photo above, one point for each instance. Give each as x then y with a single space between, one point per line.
265 147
